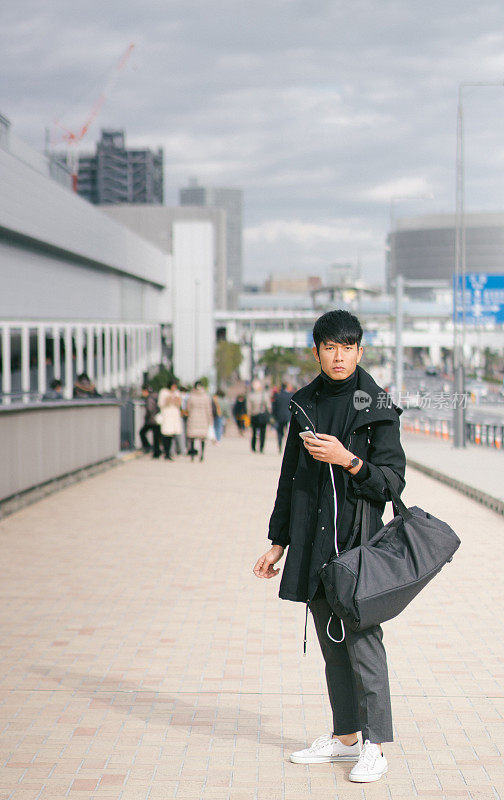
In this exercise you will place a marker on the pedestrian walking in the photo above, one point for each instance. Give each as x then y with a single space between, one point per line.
199 419
280 412
240 413
259 407
170 401
151 423
357 427
219 414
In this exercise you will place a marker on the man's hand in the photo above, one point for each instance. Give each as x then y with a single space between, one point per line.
264 565
328 448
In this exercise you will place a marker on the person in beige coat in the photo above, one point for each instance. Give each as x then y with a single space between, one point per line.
199 418
169 402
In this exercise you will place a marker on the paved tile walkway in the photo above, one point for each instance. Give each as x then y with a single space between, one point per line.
140 658
478 465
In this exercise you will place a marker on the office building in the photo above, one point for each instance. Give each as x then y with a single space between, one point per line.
231 200
423 247
117 174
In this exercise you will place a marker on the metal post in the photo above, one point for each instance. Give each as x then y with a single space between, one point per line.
6 364
399 321
68 389
459 283
25 363
107 368
90 351
122 356
41 360
99 358
459 327
79 349
56 352
115 368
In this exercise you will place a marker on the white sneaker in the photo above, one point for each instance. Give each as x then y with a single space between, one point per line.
370 766
326 748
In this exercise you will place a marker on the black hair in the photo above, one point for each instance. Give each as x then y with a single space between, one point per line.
55 383
337 326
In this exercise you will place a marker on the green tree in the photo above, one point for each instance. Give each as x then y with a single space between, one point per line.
161 379
277 359
228 357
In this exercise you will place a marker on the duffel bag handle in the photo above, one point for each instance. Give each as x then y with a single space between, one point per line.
392 481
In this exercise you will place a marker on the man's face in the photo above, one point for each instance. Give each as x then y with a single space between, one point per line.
337 359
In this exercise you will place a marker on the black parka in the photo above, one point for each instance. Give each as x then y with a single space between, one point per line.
372 432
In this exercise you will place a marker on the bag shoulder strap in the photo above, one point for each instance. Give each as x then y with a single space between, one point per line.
392 481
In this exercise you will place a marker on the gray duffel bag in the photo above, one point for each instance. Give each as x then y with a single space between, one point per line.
371 583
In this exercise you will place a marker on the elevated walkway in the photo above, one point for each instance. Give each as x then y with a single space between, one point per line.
141 658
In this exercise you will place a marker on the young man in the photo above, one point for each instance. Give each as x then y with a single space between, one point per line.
357 427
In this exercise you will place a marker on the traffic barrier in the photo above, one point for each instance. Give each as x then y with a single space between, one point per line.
427 427
417 425
477 433
490 435
498 437
437 429
444 430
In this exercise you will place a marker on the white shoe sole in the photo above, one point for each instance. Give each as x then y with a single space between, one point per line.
321 759
368 778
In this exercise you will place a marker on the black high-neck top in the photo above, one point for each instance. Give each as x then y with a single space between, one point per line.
334 403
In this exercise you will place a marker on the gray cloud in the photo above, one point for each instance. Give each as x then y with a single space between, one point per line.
320 110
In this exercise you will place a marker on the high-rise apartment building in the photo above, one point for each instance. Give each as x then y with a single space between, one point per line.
116 174
231 200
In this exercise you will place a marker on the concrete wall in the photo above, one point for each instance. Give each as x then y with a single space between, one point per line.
155 223
44 442
38 285
62 258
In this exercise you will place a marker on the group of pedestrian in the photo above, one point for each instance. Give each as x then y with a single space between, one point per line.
182 420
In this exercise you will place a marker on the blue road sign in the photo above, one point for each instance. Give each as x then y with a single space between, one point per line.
484 296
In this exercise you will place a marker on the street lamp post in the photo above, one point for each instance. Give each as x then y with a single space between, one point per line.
399 292
459 284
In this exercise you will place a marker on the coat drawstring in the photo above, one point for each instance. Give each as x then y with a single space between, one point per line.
305 628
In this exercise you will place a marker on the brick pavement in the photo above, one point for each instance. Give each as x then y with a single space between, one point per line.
140 658
478 465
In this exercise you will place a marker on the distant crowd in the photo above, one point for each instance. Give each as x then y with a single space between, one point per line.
180 421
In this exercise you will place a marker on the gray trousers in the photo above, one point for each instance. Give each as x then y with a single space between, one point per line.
357 676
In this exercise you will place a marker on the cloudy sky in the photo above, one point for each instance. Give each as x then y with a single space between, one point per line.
321 110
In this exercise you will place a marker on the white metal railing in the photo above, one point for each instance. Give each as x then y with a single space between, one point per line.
112 354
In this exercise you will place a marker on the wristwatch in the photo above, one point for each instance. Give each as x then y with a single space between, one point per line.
353 462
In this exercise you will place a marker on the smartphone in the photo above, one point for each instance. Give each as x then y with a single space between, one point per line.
308 435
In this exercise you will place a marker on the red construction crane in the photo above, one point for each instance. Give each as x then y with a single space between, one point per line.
73 138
